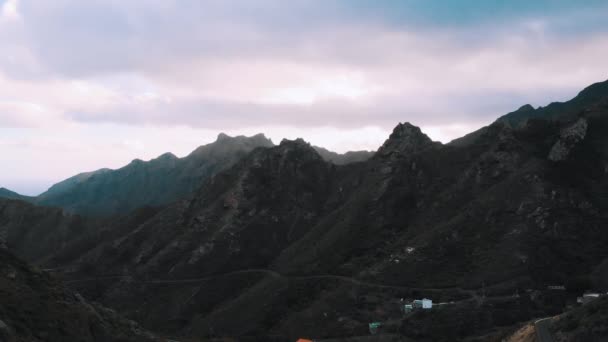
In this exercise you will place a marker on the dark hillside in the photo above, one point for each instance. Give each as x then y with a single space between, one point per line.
285 243
36 307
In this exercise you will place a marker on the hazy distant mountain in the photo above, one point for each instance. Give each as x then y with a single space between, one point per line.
70 184
8 194
158 182
342 159
154 183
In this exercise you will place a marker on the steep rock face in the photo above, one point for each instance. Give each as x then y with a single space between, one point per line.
36 307
492 210
405 139
154 183
240 218
568 139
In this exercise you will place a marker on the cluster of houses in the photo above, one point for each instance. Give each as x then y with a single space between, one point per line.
427 304
417 304
424 304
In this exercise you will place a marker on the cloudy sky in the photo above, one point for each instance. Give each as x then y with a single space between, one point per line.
86 84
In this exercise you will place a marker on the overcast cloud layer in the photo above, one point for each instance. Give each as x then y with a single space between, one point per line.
91 84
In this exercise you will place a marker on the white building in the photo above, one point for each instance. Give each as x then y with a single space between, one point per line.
588 297
423 304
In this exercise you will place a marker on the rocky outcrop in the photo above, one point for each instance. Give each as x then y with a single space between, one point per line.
568 140
406 139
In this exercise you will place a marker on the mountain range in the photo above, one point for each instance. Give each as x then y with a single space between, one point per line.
157 182
268 242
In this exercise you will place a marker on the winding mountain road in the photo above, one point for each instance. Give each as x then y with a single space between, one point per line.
542 330
174 281
470 293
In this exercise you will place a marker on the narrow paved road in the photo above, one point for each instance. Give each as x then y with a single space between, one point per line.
542 330
275 275
174 281
470 293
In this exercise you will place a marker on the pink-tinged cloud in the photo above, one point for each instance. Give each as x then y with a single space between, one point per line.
315 68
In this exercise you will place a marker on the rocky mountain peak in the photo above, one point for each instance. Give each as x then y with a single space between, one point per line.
262 140
298 144
405 139
222 136
297 151
258 139
167 156
525 108
137 161
295 142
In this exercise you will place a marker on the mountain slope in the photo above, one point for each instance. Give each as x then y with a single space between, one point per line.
159 181
588 100
504 210
586 323
239 219
591 101
8 194
285 243
34 232
155 183
36 307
